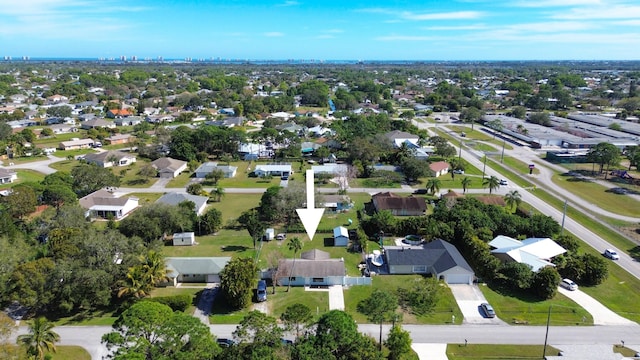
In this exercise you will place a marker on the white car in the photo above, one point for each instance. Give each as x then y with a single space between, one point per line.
503 182
611 254
569 284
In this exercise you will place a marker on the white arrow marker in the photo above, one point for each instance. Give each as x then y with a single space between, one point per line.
310 216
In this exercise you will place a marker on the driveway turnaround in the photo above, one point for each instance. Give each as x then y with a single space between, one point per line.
430 351
601 314
469 298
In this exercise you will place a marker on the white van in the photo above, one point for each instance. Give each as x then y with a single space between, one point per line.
569 284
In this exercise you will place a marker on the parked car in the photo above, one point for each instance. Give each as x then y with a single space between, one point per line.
225 342
261 293
281 236
488 310
504 182
458 171
611 254
569 284
284 177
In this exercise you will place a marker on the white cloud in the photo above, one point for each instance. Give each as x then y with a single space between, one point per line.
553 26
455 28
554 3
288 3
273 34
600 12
627 23
456 15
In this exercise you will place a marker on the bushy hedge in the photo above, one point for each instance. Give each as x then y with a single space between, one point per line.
176 302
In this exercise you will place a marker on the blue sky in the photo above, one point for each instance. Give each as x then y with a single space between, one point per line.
323 29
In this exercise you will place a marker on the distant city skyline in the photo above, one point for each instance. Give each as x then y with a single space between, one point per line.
322 30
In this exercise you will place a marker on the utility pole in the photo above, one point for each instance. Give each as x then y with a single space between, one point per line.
546 335
485 165
460 153
564 214
503 143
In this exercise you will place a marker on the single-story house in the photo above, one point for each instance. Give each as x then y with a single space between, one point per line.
314 268
103 204
169 168
438 257
97 123
399 205
331 168
273 169
76 144
535 252
175 199
439 168
119 139
340 236
203 170
8 176
114 113
184 239
128 121
195 269
63 128
110 158
397 137
337 203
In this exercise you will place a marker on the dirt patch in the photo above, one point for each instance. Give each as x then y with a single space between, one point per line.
632 232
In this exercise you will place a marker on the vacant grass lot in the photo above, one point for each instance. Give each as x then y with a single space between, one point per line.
497 352
146 198
597 194
25 176
445 307
180 181
517 308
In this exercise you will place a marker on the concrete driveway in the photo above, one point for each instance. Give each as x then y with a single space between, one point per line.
601 314
469 298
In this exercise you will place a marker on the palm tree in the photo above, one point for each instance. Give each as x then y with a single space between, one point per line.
154 267
40 339
134 284
295 245
218 193
465 184
433 185
492 183
513 198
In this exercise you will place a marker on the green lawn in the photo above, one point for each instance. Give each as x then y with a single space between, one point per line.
497 352
180 181
93 318
522 309
445 307
173 291
146 198
26 176
242 179
317 301
596 194
53 141
131 177
64 165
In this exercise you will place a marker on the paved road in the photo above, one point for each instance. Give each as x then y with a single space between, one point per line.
89 337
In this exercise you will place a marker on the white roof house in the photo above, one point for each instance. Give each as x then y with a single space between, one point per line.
536 252
273 169
331 168
103 204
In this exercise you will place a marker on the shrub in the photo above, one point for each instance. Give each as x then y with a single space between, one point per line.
176 302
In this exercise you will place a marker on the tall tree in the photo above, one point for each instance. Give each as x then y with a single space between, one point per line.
150 330
604 154
21 201
513 199
491 182
237 281
465 182
210 222
398 343
251 221
88 178
379 307
40 339
295 245
295 316
258 328
433 185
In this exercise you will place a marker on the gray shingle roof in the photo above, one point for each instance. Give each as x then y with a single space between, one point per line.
440 254
176 198
195 265
313 268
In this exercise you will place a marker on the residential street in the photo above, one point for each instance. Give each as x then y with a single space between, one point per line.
89 337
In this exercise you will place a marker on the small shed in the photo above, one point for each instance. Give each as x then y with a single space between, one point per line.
340 236
269 234
184 239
